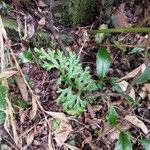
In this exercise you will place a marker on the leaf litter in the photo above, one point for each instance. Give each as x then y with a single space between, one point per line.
40 91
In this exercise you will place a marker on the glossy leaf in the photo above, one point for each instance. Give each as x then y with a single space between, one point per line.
102 62
145 143
25 57
136 50
112 116
144 77
124 142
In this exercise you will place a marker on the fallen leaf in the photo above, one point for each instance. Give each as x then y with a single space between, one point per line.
58 115
61 134
123 85
8 73
30 137
71 147
119 18
21 85
147 86
133 73
138 123
34 107
87 140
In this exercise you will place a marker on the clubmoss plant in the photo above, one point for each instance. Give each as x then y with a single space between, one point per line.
73 82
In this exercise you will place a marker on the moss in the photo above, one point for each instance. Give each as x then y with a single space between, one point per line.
77 11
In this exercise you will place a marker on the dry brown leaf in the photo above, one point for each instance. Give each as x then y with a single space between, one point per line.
8 73
147 86
34 106
87 140
62 133
30 30
113 133
138 123
71 147
21 85
133 73
30 137
123 85
60 116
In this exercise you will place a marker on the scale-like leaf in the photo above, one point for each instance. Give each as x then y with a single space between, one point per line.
144 77
112 115
124 142
145 143
102 62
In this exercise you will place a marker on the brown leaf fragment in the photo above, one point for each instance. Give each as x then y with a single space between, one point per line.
147 86
34 106
133 73
120 18
21 85
137 122
62 133
58 115
30 137
71 147
8 73
124 85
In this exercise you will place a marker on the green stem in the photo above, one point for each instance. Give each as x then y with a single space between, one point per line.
124 30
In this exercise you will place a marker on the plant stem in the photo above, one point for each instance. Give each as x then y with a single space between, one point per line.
123 30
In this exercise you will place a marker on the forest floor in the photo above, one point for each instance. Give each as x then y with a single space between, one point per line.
34 119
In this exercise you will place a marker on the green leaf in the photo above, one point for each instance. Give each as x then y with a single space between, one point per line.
2 117
145 143
124 142
102 62
112 116
3 92
136 50
25 57
100 36
144 77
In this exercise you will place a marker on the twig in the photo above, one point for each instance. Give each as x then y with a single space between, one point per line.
99 94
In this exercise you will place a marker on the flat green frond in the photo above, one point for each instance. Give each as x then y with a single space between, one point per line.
75 80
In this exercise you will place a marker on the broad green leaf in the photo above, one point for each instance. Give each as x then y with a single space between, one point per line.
102 62
25 57
136 50
144 77
112 116
124 142
3 92
145 143
2 117
100 36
